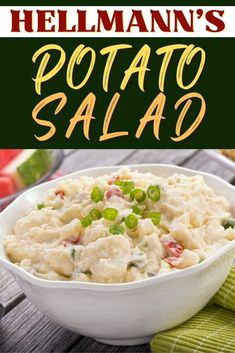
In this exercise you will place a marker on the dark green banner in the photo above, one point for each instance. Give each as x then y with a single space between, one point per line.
19 98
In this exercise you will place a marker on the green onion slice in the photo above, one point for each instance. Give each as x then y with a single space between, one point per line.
86 221
118 182
116 229
95 214
154 192
40 206
138 195
110 213
155 217
136 210
126 185
73 253
131 221
97 194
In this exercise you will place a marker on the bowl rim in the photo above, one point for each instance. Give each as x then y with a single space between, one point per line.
107 287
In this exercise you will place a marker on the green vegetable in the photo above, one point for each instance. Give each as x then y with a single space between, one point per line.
228 223
116 229
131 221
137 210
118 182
138 195
95 214
86 221
155 217
40 206
154 192
73 253
126 186
110 214
97 194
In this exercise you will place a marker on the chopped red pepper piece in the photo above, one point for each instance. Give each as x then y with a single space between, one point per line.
113 192
60 193
173 248
69 242
76 241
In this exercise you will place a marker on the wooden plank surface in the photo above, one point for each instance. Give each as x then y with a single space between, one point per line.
68 152
88 345
160 156
201 161
23 328
10 293
82 159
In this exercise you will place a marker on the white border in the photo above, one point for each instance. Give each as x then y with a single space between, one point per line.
199 29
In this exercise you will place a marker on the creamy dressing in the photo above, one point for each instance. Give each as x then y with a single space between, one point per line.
60 241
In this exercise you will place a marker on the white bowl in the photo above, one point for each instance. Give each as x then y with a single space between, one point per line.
127 313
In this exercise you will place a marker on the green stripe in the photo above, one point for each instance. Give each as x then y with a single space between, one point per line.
226 295
196 336
212 330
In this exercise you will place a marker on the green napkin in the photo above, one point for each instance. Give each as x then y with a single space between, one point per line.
212 330
226 294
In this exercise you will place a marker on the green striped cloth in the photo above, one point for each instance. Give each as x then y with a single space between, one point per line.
212 330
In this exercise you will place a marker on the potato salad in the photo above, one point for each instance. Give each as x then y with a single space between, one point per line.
122 227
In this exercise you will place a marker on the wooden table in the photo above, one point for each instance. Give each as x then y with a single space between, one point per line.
22 327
